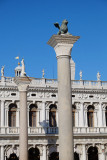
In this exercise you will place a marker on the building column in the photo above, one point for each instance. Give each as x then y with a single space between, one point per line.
104 118
95 119
44 152
43 114
86 120
84 157
2 113
17 117
76 119
63 45
23 83
100 118
2 152
81 115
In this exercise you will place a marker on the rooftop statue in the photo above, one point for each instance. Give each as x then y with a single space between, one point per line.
63 29
23 73
2 71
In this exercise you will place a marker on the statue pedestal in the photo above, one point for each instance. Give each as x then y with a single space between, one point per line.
62 45
23 83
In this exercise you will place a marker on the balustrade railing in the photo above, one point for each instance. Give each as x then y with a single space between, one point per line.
53 130
54 82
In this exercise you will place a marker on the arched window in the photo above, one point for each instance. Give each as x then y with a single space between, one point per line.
12 115
54 156
92 153
76 156
52 115
106 115
34 154
33 115
13 156
90 116
73 115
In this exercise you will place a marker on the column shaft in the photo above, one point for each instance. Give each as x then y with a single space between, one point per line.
44 152
100 118
66 150
23 126
2 152
2 113
81 117
84 152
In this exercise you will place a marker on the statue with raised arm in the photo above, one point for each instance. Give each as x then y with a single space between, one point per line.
63 29
2 71
98 76
80 75
23 73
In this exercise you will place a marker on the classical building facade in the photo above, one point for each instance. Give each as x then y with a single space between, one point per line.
89 103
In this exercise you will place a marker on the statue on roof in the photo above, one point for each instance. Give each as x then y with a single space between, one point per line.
98 76
63 29
23 73
80 75
2 71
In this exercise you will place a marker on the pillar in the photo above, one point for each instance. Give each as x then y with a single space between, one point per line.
43 114
44 152
62 45
23 83
2 152
2 113
100 118
84 152
81 115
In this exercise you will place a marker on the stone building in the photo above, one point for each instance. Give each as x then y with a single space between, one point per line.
89 103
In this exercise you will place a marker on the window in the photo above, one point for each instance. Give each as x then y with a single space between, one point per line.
33 115
12 115
90 116
52 116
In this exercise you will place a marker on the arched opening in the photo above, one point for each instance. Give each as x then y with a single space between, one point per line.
106 115
90 116
12 115
73 115
33 115
76 156
52 115
13 156
33 154
54 156
92 153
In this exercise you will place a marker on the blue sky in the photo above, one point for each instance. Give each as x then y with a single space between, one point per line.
27 25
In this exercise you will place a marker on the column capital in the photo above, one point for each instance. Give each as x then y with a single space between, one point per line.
23 83
62 44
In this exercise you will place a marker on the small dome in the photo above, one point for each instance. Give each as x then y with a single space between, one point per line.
18 70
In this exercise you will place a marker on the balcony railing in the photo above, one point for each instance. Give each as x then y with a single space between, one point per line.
53 130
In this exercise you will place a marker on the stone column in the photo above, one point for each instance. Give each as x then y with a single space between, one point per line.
44 152
43 114
2 113
62 45
23 83
100 118
81 117
17 118
84 152
2 152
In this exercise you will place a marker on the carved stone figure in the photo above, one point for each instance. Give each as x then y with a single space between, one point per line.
2 71
80 75
63 29
23 68
43 73
98 76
